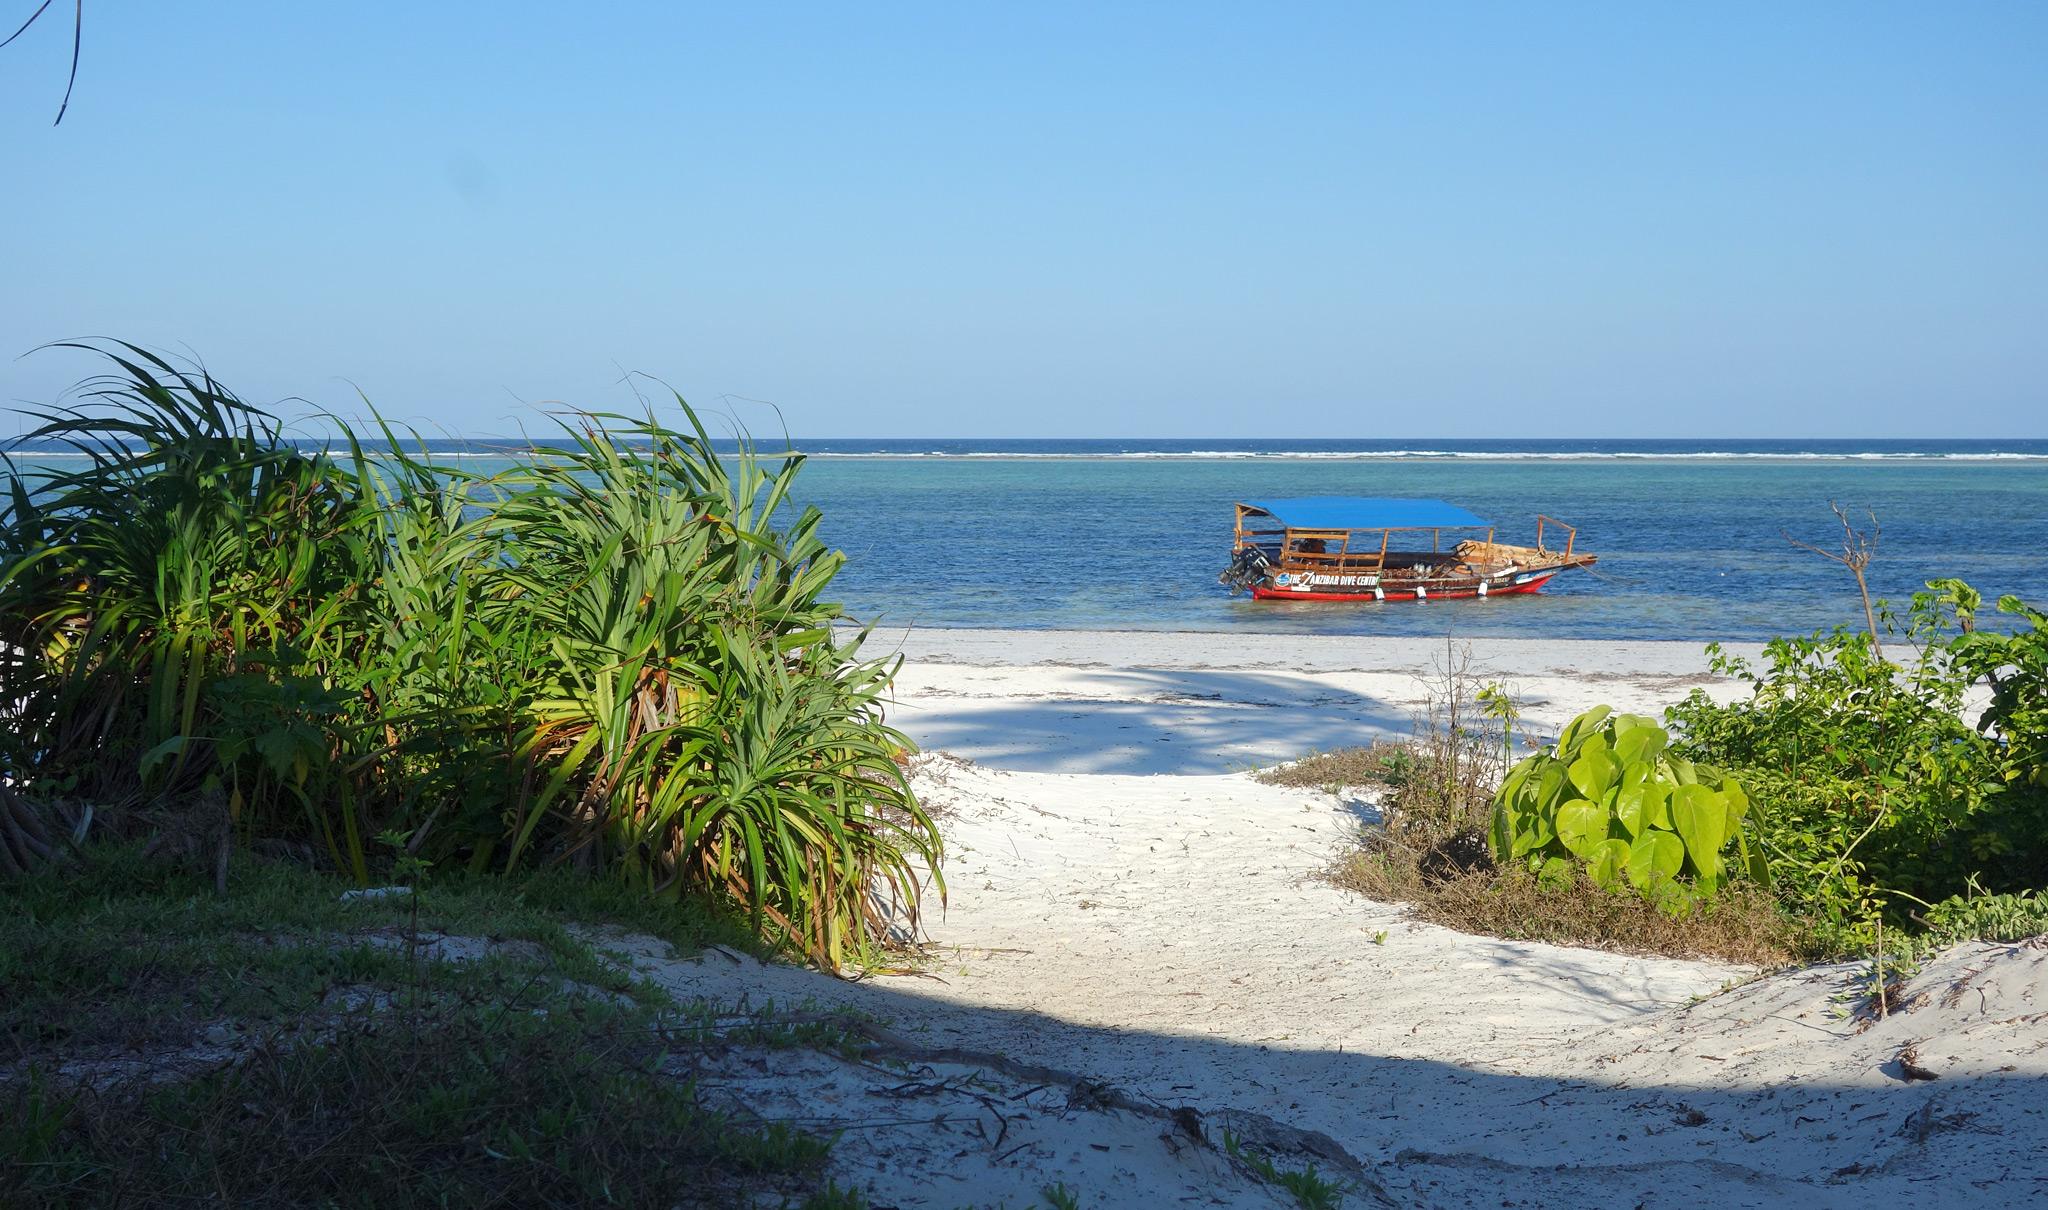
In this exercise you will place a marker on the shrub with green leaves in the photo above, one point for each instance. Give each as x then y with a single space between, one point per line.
2015 666
1609 796
1875 791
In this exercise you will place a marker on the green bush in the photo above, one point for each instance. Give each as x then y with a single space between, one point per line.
1608 796
617 655
1979 917
1876 793
2015 666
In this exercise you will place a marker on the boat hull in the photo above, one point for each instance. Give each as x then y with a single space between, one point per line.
1449 590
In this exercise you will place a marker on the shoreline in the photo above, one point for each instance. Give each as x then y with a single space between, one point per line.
1201 649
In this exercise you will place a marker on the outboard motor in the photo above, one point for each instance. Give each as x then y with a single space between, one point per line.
1248 568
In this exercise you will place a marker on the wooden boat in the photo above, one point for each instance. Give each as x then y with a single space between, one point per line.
1356 548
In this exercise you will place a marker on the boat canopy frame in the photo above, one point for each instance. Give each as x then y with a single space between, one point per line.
1384 517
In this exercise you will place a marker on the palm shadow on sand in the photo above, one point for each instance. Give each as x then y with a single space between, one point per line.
1175 721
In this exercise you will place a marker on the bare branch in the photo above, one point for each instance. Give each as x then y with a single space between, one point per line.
1859 547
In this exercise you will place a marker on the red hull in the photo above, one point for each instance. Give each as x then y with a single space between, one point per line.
1263 592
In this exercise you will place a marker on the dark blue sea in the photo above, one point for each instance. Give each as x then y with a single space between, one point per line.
1692 535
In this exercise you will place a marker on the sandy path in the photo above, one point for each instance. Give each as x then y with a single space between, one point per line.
1162 931
1171 904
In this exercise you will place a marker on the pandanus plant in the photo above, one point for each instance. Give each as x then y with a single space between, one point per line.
701 722
182 541
616 654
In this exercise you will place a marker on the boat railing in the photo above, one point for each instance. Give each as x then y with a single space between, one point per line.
1337 550
1320 548
1571 533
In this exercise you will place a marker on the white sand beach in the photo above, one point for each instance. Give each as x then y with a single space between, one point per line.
1135 928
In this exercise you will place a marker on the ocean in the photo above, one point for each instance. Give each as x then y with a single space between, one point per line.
1692 536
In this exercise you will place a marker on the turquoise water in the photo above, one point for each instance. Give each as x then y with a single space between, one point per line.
1691 537
1689 549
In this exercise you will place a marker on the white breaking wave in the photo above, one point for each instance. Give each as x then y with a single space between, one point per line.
1424 455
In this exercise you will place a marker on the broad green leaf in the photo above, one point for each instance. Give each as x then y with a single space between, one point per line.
1578 729
1637 740
1700 817
1535 836
1511 785
1581 826
1638 807
1655 856
1753 862
1594 771
1737 804
1657 806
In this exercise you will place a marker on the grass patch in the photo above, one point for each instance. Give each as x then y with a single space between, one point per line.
1377 764
1311 1191
162 1043
120 949
1743 924
457 1104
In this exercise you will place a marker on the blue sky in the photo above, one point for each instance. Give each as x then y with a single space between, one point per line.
1056 220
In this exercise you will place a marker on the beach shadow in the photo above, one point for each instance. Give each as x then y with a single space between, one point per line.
1435 1133
1178 721
1363 812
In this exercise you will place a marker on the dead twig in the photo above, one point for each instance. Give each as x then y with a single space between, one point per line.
1909 1066
1858 548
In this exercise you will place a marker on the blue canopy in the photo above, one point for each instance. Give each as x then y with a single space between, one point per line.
1366 512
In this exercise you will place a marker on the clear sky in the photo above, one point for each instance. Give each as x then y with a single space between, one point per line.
1046 219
